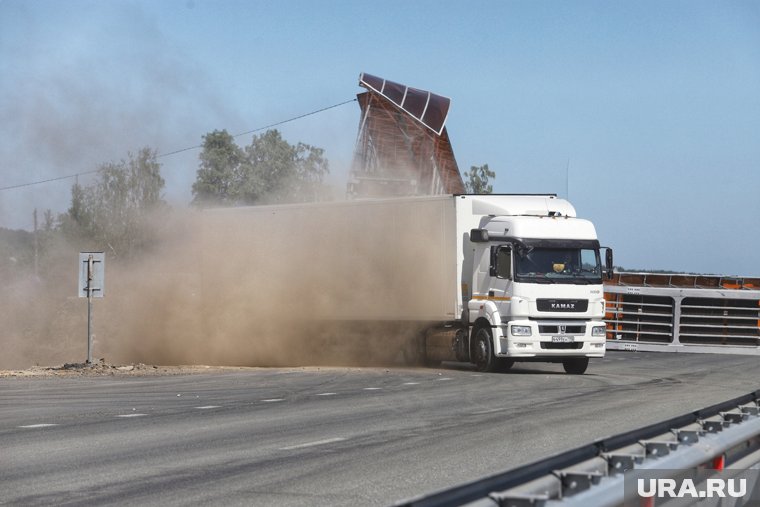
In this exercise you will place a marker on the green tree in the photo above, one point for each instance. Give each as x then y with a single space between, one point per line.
76 219
116 211
219 175
478 180
311 168
269 170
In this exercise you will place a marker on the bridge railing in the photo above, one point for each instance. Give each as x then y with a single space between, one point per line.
684 313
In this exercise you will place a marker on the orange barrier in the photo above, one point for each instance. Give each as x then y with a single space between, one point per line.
683 280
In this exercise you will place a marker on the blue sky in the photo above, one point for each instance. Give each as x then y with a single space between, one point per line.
651 108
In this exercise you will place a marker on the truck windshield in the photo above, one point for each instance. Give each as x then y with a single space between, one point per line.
558 265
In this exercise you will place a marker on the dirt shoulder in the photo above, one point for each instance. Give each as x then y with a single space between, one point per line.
104 369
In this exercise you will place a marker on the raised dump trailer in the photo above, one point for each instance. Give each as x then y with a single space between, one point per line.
489 279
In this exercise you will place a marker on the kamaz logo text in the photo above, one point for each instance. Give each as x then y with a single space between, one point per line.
563 306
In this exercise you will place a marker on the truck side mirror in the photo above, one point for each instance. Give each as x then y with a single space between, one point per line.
609 266
479 236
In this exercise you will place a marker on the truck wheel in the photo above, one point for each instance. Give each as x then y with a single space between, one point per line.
576 365
482 354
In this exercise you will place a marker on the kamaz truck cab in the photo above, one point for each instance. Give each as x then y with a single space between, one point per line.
535 289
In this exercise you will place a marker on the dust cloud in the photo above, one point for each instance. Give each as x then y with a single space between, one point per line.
78 96
325 284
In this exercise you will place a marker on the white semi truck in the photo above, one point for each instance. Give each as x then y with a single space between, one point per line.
486 279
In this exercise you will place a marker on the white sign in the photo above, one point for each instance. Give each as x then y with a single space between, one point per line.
92 268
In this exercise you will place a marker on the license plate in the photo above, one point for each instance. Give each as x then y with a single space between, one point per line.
563 339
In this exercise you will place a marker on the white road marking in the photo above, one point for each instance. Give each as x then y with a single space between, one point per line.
273 400
492 411
327 394
32 426
411 383
312 444
444 378
207 407
132 415
373 388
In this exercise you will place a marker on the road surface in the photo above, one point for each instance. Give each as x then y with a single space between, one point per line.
327 436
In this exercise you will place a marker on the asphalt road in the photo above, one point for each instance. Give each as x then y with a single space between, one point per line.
327 436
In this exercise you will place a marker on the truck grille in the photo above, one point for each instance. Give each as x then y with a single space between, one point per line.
564 346
554 329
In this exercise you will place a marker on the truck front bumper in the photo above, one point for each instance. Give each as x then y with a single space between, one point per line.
549 339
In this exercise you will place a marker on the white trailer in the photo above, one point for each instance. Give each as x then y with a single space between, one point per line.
489 279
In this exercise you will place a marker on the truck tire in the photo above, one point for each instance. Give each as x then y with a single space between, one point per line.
461 346
482 352
575 365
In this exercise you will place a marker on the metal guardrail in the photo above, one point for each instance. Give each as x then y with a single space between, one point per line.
699 315
723 435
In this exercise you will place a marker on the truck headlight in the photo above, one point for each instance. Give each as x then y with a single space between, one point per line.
599 331
521 331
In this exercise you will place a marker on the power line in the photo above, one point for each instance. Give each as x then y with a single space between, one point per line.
262 128
162 155
29 184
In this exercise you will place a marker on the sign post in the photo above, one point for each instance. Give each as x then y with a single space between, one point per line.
91 284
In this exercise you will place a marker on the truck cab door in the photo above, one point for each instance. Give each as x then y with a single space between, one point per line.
500 274
492 282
